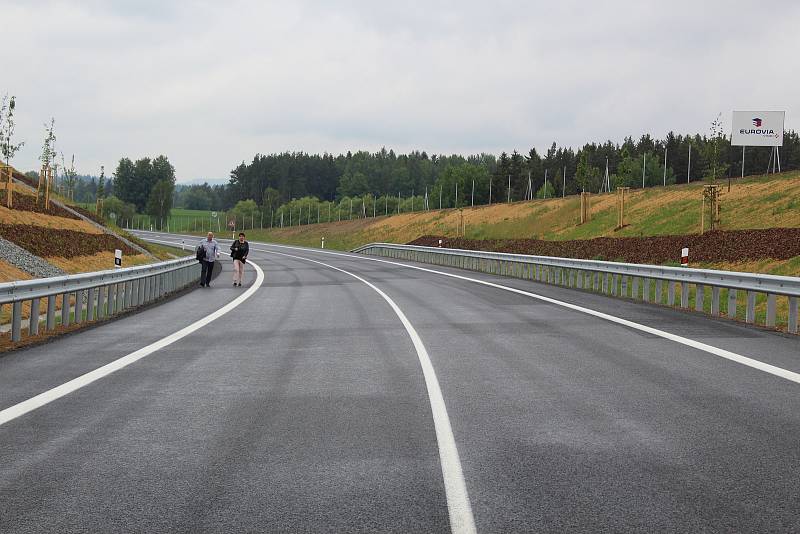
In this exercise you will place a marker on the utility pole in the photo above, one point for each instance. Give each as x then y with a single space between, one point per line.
509 189
644 162
490 190
564 182
689 167
665 166
472 199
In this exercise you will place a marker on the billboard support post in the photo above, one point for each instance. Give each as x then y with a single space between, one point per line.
743 147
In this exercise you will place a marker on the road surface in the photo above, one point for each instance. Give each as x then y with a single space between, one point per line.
344 394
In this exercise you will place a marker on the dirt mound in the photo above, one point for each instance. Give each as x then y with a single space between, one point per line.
730 245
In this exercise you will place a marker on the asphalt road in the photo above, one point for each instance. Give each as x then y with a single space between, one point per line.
308 408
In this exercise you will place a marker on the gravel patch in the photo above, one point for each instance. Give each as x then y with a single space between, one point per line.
25 261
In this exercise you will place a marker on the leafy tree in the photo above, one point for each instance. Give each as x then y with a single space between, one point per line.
159 203
715 150
245 211
120 210
587 176
101 184
546 191
134 182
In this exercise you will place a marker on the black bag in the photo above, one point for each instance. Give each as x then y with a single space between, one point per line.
201 253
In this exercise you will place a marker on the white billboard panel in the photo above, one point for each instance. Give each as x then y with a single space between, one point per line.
757 128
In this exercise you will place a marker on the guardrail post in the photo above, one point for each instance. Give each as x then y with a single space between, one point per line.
16 321
33 321
112 300
101 305
128 294
606 282
732 303
715 301
614 284
624 286
78 307
771 301
90 296
580 279
671 293
684 295
646 290
596 281
793 314
65 309
635 289
750 312
699 296
659 291
120 297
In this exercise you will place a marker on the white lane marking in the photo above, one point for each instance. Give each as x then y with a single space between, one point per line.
458 506
716 351
57 392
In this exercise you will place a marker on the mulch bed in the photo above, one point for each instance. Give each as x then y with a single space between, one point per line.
28 203
720 245
46 242
90 214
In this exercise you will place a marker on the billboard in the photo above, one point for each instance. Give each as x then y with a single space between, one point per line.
757 128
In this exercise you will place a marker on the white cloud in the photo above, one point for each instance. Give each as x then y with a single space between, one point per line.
209 84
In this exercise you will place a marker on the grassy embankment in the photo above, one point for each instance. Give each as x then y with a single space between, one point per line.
755 202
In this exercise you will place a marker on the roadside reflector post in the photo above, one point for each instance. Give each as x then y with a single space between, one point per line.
684 257
323 242
440 243
117 258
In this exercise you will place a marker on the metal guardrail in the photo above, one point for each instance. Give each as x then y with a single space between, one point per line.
628 280
104 293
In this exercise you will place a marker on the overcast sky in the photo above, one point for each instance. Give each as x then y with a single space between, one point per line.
210 83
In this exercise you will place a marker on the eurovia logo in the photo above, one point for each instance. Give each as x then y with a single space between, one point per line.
758 130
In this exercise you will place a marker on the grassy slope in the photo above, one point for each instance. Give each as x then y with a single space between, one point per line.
757 202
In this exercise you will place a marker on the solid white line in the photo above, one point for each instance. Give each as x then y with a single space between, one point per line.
49 396
710 349
458 506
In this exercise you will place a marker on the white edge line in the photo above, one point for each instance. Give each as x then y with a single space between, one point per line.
12 412
458 506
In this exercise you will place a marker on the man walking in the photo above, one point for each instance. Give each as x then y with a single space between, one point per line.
239 251
211 248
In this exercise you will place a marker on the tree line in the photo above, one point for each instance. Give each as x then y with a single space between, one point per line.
276 183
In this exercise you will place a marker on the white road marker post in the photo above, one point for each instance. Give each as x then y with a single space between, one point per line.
117 258
684 257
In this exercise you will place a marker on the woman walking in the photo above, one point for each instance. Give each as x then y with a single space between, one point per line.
239 250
